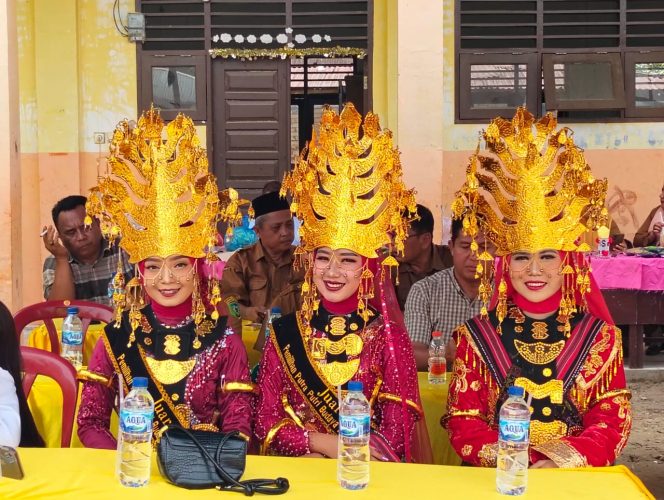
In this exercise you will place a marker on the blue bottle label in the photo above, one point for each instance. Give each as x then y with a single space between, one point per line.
354 426
72 338
136 421
515 431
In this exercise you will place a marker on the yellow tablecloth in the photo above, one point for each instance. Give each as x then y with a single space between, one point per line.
87 473
39 338
434 403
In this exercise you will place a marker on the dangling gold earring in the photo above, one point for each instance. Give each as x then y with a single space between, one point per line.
567 296
197 309
119 297
136 302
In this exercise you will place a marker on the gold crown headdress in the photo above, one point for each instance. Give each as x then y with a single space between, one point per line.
535 192
160 200
349 193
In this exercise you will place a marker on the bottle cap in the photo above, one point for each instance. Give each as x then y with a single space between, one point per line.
437 334
515 391
140 383
355 386
276 310
72 310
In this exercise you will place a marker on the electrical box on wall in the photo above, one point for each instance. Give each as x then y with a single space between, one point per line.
136 26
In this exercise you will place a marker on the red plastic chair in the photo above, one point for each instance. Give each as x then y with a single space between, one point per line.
40 362
47 311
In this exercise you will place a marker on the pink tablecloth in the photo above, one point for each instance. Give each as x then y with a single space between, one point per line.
629 272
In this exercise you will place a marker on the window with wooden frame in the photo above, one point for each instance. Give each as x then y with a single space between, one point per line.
595 60
174 83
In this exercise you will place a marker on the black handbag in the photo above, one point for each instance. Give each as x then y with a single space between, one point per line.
202 459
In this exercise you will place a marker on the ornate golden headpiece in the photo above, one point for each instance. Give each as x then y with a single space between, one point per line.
348 190
349 193
159 196
160 200
541 193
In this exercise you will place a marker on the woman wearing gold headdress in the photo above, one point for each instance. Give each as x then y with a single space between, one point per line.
163 202
349 194
548 329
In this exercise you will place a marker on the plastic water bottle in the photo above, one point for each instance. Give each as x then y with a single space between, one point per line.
72 338
437 362
354 432
275 313
135 435
513 434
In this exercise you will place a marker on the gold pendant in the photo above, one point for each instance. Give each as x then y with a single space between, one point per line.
542 432
552 389
172 344
196 343
337 325
539 353
339 373
351 344
169 371
540 330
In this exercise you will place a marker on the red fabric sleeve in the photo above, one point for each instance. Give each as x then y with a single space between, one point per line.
97 400
290 439
235 407
467 419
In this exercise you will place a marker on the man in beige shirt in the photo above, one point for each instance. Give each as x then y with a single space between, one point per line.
261 276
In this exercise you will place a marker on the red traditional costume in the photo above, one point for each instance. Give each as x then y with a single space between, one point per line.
348 193
571 362
197 368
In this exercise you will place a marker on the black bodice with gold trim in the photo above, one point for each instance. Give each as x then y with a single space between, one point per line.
533 347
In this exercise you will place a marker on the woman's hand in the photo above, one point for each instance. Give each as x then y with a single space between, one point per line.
325 444
377 455
544 464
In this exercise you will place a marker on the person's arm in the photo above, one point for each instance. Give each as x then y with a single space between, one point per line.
236 398
275 429
467 418
417 318
643 236
234 290
607 421
10 418
399 380
58 283
97 400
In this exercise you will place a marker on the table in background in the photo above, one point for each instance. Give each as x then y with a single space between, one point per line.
633 288
434 404
89 473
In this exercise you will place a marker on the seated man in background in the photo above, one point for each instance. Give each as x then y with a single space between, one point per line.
421 256
261 276
81 263
445 300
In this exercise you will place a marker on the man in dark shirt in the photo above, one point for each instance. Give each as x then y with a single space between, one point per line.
421 257
81 263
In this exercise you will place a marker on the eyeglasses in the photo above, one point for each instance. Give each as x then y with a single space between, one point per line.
177 271
323 262
546 262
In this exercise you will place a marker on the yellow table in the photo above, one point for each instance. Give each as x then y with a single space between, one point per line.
39 338
434 403
61 473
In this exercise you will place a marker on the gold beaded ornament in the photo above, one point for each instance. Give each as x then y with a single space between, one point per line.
348 191
159 199
531 191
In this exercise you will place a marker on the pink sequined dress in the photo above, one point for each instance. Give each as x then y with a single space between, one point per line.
198 381
297 397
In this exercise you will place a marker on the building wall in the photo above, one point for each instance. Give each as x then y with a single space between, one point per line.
435 150
77 76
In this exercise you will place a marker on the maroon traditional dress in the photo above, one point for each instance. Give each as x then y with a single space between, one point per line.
197 381
299 375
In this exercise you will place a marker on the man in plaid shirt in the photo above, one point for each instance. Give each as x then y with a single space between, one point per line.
81 263
446 299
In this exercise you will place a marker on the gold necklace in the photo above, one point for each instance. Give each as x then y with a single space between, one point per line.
539 353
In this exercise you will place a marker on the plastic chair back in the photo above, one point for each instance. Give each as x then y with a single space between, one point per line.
40 362
47 311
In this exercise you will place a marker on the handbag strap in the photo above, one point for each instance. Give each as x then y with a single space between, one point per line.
276 486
